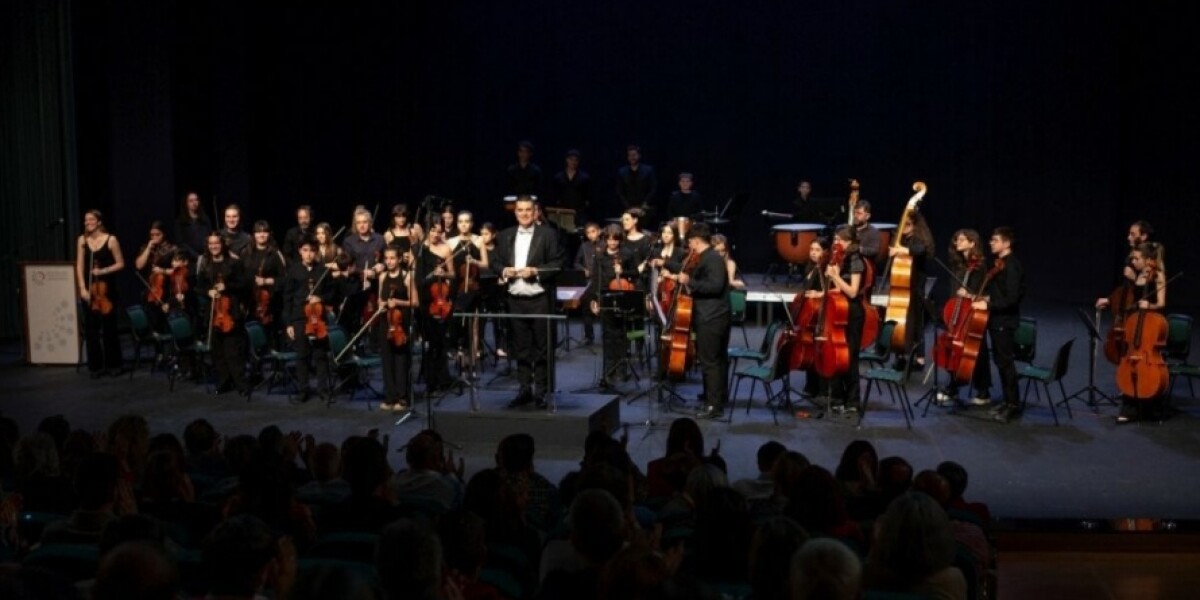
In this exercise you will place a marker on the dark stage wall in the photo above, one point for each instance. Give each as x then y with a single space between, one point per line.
1063 121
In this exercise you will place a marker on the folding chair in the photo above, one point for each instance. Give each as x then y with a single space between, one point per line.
261 353
144 335
765 372
361 365
737 312
894 380
1046 376
185 345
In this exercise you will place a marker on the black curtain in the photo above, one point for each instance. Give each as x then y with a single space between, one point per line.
39 206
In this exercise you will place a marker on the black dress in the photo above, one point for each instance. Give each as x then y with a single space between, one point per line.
100 330
397 359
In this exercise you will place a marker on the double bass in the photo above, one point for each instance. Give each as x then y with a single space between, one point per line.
1142 373
832 351
900 280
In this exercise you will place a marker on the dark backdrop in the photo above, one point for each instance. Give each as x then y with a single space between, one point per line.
1065 122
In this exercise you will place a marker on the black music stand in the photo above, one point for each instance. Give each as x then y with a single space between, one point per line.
1094 336
624 304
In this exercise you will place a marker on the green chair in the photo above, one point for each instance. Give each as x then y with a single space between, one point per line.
185 345
1047 375
361 365
144 335
1179 347
737 312
261 353
765 372
894 381
881 350
1025 340
737 353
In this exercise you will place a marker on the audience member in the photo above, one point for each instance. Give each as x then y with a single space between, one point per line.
96 488
956 476
333 582
771 552
514 456
410 562
761 487
684 437
856 472
327 487
914 550
136 570
38 477
464 550
598 531
369 507
242 557
817 504
429 478
825 569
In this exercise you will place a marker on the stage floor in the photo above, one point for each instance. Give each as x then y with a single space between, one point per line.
1089 467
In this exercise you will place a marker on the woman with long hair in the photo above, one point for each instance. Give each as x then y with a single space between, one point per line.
98 259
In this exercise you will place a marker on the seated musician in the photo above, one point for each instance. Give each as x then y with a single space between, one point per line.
615 264
154 259
965 250
721 245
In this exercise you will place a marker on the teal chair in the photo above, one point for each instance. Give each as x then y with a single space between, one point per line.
881 350
759 354
1025 340
737 312
144 335
185 344
894 381
262 354
1179 347
361 365
1047 375
765 372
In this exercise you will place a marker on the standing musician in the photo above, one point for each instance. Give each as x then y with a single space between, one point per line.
870 240
1003 303
305 283
615 262
523 253
267 265
966 249
524 177
153 262
236 240
573 187
365 250
302 231
397 292
584 259
684 202
916 241
847 277
708 283
97 259
721 245
192 225
434 269
813 286
1139 233
668 251
638 241
470 258
219 275
493 300
449 216
1150 291
636 182
398 235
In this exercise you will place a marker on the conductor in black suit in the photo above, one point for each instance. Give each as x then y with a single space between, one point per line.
636 182
528 258
709 285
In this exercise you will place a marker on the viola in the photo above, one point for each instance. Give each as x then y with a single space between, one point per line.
156 288
1120 302
900 281
678 349
619 283
832 350
98 289
1142 373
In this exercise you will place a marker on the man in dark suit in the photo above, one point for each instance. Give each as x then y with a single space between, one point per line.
528 258
636 182
709 285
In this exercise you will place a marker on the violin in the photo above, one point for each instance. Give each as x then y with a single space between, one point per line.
440 306
619 283
222 311
179 284
156 288
98 289
468 273
1142 373
900 281
262 298
831 348
314 316
372 303
395 323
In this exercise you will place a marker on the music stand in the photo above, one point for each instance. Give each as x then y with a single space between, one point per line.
564 217
623 304
1093 346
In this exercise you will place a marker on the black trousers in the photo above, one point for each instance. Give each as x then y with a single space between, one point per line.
229 357
1004 348
712 354
844 387
981 378
433 361
530 341
616 345
397 363
315 351
103 345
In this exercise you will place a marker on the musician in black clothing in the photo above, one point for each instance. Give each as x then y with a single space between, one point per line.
302 231
529 258
237 241
584 261
219 274
613 263
916 241
365 251
467 249
266 264
870 240
154 259
306 283
847 277
397 291
970 267
573 187
684 202
1139 233
524 177
636 182
813 286
1003 303
192 226
97 259
708 284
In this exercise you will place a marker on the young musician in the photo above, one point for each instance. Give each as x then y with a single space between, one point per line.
524 177
708 283
966 250
668 251
813 286
584 259
448 215
916 241
572 187
192 225
220 275
153 261
266 264
467 249
1150 292
529 258
638 241
302 231
636 181
1003 302
236 240
433 268
98 259
305 284
847 277
398 235
493 299
397 291
721 245
613 263
684 202
870 240
1139 233
365 250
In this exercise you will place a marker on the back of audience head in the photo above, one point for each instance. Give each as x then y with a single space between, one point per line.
240 556
934 485
636 572
19 582
326 462
913 540
165 478
36 457
9 434
57 428
825 569
131 528
771 550
956 476
409 560
515 453
96 481
602 476
464 542
332 582
168 442
787 470
424 452
895 476
597 524
365 466
859 459
723 530
79 445
685 436
140 570
703 480
239 450
199 437
128 440
816 501
767 454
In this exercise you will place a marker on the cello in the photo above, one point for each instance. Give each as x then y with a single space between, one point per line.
900 280
804 315
677 336
1119 302
619 283
1142 373
832 352
957 349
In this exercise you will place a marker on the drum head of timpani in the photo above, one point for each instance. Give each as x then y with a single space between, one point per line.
798 227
